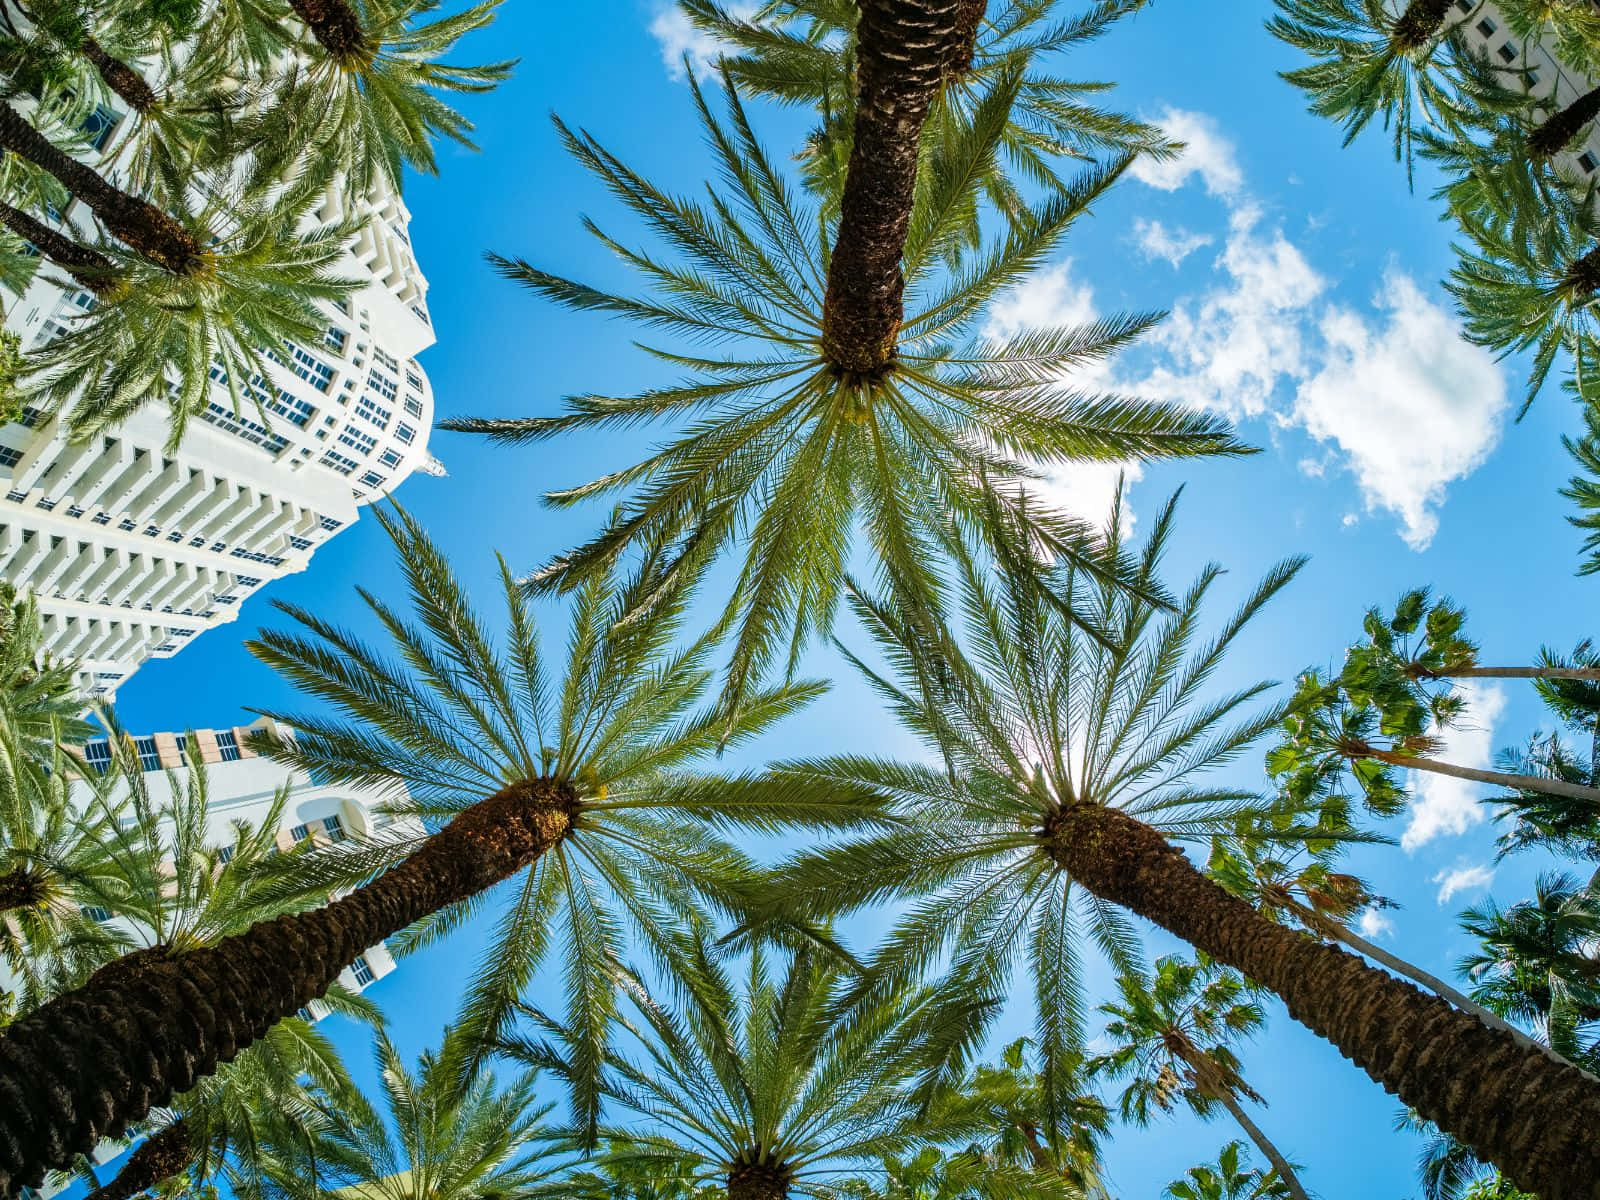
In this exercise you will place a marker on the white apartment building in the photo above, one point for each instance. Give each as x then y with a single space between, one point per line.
133 552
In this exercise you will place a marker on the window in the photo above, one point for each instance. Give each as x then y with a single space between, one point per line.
1507 53
331 525
308 366
30 416
95 913
228 745
372 480
300 833
404 433
384 360
1486 27
336 339
334 828
371 411
9 457
149 756
385 386
295 409
247 581
1588 162
97 755
362 970
97 126
363 443
413 406
339 462
183 745
389 458
225 855
413 380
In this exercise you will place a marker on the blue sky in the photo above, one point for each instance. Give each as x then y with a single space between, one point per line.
1303 281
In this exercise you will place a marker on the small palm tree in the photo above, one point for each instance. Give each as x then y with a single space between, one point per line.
1070 766
767 1085
1230 1179
40 703
1170 1039
431 1140
586 778
931 1174
921 432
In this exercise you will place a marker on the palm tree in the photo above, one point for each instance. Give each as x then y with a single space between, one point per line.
768 1084
931 1174
432 1139
792 441
1370 61
1170 1039
1073 764
164 337
805 53
1535 960
40 703
587 776
1230 1179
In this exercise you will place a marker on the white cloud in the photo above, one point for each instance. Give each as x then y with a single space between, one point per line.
1374 924
1207 153
1155 240
1412 405
1441 805
1045 298
679 37
1462 879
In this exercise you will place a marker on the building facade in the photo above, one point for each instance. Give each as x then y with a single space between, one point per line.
134 552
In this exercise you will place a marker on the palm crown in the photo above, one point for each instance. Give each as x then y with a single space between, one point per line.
1032 715
785 451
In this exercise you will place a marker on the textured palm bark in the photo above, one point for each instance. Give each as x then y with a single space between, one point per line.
136 222
1526 1114
758 1181
92 270
158 1158
1559 129
1505 779
335 25
902 48
119 76
1590 673
1583 276
969 18
1420 23
18 889
83 1066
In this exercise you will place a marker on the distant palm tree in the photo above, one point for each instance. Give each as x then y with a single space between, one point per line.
766 1084
433 1139
586 776
921 431
1230 1179
1170 1039
1069 767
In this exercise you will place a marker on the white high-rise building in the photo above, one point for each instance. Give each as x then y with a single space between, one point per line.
133 552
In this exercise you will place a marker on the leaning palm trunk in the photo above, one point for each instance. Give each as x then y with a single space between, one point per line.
968 19
1559 129
1420 23
92 270
335 25
83 1066
758 1181
1531 1117
1280 1164
119 76
1505 779
902 48
136 222
1589 673
159 1157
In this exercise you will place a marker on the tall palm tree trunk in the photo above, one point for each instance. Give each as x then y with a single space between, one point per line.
969 17
1589 673
1280 1164
902 48
92 270
1558 130
1583 275
158 1158
757 1181
83 1066
1505 779
137 222
335 25
1531 1117
1420 23
119 76
18 888
1439 987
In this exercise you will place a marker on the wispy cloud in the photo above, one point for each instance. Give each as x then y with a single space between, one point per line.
1207 154
681 39
1374 925
1462 879
1172 246
1441 805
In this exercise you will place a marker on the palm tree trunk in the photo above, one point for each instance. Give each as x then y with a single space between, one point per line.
1439 987
1583 276
18 888
902 47
757 1181
1280 1164
1590 673
1529 1116
1521 783
1558 130
119 76
92 270
81 1067
158 1158
1420 23
335 25
969 18
137 222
